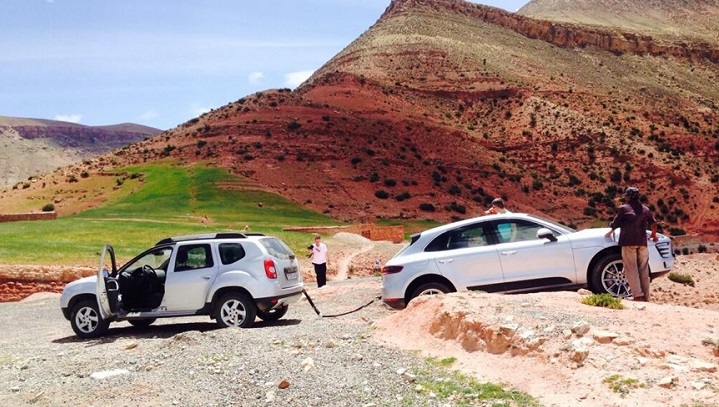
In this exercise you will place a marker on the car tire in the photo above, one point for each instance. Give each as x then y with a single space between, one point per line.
235 309
273 314
430 289
142 323
608 276
86 320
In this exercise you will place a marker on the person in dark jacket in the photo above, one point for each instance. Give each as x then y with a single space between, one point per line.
632 219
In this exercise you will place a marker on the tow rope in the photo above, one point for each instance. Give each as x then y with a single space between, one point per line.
312 304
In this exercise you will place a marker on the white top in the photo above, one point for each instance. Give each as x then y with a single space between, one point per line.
319 253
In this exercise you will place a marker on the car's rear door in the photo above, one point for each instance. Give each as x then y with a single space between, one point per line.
529 262
286 263
193 269
466 257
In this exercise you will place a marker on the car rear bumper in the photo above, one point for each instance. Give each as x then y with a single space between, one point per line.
396 303
269 303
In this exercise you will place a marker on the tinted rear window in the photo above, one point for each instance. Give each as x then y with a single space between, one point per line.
277 248
231 252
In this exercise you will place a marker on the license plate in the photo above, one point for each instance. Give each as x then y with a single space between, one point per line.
291 273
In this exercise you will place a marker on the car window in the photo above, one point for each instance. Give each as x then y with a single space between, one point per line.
468 236
277 248
192 257
515 230
231 252
157 259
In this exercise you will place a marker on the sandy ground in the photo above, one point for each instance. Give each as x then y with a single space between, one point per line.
550 345
648 354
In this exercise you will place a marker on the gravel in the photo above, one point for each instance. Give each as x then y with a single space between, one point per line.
301 360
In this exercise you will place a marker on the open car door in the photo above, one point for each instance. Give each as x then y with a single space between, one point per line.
108 288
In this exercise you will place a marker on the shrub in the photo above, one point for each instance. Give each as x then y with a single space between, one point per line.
293 125
427 207
603 300
381 194
454 206
389 182
48 207
403 196
702 248
684 279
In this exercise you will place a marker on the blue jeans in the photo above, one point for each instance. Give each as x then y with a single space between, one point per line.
636 269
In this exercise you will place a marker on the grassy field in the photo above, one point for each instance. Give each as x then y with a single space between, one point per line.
171 201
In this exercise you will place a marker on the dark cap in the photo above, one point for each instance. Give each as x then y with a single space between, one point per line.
632 193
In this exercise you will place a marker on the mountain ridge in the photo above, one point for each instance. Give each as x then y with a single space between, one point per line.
441 106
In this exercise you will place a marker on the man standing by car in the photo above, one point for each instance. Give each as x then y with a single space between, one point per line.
633 218
320 258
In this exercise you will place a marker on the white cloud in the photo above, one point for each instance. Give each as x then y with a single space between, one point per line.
72 118
149 115
294 79
199 110
255 78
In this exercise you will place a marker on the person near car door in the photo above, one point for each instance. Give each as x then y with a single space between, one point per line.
320 259
633 218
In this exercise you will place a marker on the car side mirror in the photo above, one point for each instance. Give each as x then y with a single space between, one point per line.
545 233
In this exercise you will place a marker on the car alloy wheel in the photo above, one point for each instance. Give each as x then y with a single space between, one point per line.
235 309
86 320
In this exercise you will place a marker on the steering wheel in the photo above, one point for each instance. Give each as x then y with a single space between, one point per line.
147 269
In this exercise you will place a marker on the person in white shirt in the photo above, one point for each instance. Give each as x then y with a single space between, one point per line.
320 259
497 207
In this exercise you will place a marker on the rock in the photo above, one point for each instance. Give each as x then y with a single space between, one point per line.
666 382
581 328
307 364
109 373
283 384
604 336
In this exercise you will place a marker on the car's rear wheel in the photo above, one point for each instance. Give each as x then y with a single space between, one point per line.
608 276
273 314
86 320
235 309
430 289
141 323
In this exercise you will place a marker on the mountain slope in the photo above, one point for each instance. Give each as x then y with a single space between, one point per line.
36 146
686 19
443 105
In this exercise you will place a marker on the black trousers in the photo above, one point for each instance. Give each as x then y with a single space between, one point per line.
321 272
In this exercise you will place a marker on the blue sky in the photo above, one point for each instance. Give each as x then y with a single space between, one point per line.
163 62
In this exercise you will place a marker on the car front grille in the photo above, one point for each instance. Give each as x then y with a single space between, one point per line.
664 249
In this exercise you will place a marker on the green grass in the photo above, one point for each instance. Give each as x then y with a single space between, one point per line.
437 382
603 300
172 201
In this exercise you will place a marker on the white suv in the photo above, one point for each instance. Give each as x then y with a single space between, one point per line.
231 277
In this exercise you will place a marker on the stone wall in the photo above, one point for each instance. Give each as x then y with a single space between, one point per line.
19 217
18 282
394 234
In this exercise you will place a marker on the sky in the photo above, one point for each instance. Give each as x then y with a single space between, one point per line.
162 62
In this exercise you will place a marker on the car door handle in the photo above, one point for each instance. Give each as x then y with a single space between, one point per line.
445 261
509 253
206 277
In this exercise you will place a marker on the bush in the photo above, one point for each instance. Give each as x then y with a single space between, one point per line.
603 300
381 194
684 279
48 207
427 207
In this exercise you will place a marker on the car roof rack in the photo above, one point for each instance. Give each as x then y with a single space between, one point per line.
207 236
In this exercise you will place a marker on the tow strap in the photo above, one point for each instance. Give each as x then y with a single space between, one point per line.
312 304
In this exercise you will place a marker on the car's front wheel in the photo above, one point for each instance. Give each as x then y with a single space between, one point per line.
273 314
608 276
86 320
235 309
430 289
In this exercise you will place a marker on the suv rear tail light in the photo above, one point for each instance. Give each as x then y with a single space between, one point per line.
270 269
391 269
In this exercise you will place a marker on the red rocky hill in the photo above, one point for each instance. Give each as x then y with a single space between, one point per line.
443 105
